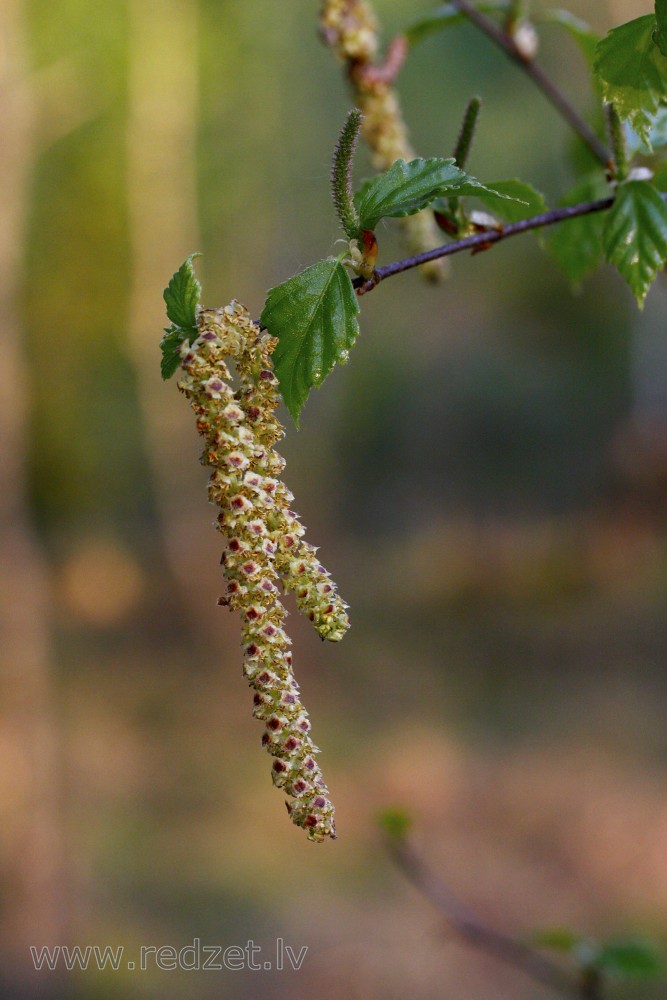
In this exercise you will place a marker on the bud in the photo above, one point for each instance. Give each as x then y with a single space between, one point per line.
526 39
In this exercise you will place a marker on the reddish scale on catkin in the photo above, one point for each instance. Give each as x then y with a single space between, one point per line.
240 428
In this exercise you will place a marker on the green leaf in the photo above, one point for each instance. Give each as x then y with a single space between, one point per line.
314 316
635 235
660 35
660 178
170 345
395 823
181 296
632 957
512 200
405 188
657 137
576 245
633 72
585 38
445 16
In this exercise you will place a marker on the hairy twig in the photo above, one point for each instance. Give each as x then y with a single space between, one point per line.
483 240
552 93
471 930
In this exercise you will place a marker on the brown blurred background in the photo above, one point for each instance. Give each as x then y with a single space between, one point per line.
487 480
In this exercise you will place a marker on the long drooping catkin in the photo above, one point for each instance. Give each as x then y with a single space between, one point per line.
265 550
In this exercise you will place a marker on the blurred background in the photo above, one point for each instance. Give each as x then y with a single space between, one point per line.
486 479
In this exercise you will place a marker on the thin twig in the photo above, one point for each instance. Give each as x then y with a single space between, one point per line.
552 93
480 241
386 72
514 953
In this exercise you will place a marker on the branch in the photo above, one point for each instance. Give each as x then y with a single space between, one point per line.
505 41
483 240
386 72
513 953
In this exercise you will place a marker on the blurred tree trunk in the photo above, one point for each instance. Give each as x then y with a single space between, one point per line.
162 165
31 843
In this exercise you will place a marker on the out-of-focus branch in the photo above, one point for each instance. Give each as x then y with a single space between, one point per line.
474 932
349 28
372 73
553 94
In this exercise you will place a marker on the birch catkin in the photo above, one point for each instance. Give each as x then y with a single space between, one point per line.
266 551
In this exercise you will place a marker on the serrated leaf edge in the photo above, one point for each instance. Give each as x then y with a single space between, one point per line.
288 393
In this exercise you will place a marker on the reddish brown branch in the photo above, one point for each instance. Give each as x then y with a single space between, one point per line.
386 72
483 240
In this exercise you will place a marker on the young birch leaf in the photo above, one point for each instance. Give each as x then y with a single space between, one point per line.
657 137
512 200
395 823
659 180
181 296
661 22
635 235
576 245
170 345
314 317
633 72
632 957
405 189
